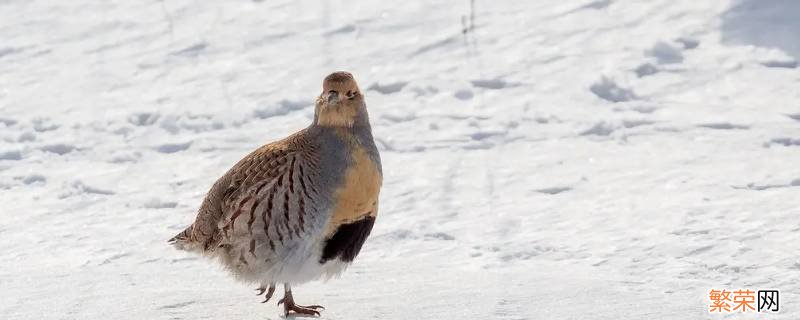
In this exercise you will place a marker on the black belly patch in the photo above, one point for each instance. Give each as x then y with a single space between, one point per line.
346 242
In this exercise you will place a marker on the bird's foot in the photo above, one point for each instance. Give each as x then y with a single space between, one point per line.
270 290
290 306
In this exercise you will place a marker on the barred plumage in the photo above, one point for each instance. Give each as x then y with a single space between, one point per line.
300 208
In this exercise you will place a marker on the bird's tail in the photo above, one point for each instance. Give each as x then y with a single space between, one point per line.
184 241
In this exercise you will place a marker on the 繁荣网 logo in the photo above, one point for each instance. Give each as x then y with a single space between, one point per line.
743 300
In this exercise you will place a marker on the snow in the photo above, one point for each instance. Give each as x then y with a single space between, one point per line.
548 160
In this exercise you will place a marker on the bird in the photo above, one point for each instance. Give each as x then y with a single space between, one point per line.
298 209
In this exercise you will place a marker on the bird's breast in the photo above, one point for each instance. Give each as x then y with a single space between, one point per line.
357 197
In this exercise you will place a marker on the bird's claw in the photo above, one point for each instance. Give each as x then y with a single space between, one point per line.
302 310
269 290
290 306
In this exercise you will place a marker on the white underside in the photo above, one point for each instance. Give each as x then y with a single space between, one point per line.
296 262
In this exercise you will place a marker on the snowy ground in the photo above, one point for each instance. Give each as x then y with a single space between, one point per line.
601 159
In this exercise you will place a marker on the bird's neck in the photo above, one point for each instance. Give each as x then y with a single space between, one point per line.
356 132
343 119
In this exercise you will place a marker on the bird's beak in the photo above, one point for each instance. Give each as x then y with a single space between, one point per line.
332 97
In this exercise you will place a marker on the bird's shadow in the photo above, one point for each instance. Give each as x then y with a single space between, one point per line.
294 316
300 316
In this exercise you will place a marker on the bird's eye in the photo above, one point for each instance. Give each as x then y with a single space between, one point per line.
352 94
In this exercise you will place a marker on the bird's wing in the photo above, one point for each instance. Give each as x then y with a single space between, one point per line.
278 207
268 176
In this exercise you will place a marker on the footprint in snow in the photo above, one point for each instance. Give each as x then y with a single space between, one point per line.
699 250
26 137
463 94
599 129
493 84
191 51
59 148
773 58
788 63
143 119
157 203
439 236
554 190
173 147
8 122
635 123
644 109
688 43
282 108
78 187
176 305
387 88
645 70
607 89
757 187
784 141
348 28
43 125
724 126
11 155
665 53
34 178
592 5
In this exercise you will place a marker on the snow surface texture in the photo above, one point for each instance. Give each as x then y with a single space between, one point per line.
558 160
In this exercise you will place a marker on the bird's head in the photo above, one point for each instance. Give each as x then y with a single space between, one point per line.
341 103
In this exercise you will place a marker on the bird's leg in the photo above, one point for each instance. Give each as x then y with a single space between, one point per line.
270 290
289 305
